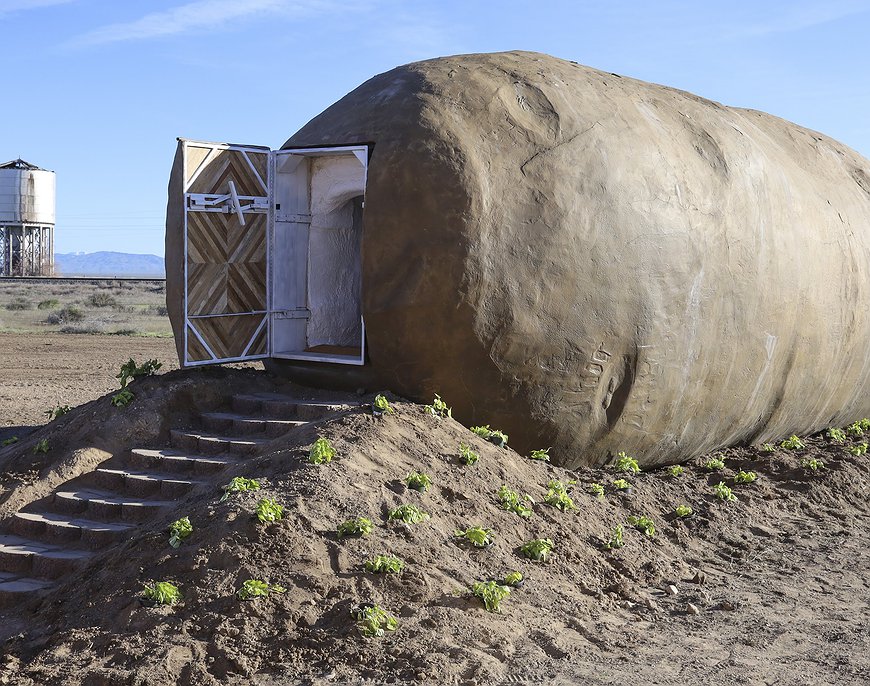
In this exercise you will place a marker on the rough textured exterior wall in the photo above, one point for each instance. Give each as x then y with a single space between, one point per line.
597 264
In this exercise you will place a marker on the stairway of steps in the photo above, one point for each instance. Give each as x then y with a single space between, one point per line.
51 537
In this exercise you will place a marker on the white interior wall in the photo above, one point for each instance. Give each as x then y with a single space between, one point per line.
335 242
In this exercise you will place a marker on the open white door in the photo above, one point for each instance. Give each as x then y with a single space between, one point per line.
316 244
226 245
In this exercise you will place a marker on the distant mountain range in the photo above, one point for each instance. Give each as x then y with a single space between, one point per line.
108 264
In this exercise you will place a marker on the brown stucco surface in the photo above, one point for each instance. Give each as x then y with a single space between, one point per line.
598 264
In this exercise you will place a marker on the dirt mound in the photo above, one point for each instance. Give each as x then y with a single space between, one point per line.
768 587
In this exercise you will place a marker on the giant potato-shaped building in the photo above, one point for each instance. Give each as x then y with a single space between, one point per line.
599 264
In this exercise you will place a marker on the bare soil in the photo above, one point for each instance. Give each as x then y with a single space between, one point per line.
770 589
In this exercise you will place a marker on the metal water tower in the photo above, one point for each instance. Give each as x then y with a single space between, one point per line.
26 220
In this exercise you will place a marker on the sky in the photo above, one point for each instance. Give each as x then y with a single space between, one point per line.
98 90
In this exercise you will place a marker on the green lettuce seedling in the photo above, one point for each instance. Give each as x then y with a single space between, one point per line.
537 549
495 436
543 455
722 492
57 411
8 441
239 484
621 484
322 451
356 526
384 564
675 470
858 450
268 511
491 593
130 370
179 530
254 588
438 408
122 398
476 535
644 524
467 455
596 489
836 435
381 406
410 514
161 593
855 429
626 463
513 579
683 511
767 447
745 477
715 463
792 443
418 481
814 464
373 621
512 502
615 540
557 495
41 446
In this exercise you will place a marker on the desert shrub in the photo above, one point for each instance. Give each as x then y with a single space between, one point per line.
125 332
68 315
19 304
84 328
47 304
101 300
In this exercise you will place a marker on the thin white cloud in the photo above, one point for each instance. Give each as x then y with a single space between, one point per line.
200 15
803 16
9 6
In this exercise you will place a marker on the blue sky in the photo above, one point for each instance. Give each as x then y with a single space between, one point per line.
98 90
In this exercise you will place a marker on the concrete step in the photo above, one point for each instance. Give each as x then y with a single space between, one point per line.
179 462
56 528
239 424
143 483
108 506
27 557
13 587
287 407
212 444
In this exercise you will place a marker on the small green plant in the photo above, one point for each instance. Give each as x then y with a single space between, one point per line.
626 463
683 511
513 579
836 435
644 524
179 530
467 455
239 484
858 450
102 300
814 464
855 429
495 436
322 451
715 463
621 485
557 495
268 510
476 535
255 588
130 370
543 455
512 502
742 477
41 446
384 564
356 526
538 549
58 411
373 621
675 470
792 443
122 398
722 492
381 406
8 441
491 593
410 514
767 448
596 489
47 304
161 593
418 481
616 538
438 408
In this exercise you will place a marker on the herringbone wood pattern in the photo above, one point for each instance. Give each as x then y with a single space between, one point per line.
224 165
226 336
